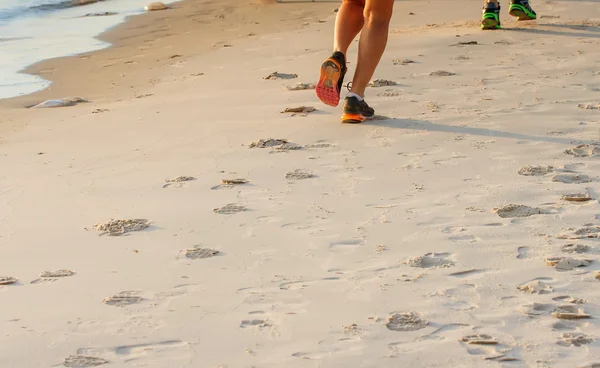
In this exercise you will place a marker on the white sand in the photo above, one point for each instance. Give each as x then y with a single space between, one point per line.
308 273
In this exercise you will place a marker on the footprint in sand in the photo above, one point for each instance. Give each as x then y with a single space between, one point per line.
577 197
320 145
120 227
466 273
431 260
198 252
441 73
254 323
535 170
381 83
536 286
177 181
488 347
301 87
538 309
230 209
574 339
584 150
277 75
522 252
570 312
517 210
82 361
51 276
575 248
405 322
586 232
299 110
402 61
571 178
123 298
566 263
230 183
7 280
569 299
268 142
299 175
479 339
345 245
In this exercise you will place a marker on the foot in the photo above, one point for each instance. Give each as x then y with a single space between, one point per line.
490 19
356 111
330 83
522 10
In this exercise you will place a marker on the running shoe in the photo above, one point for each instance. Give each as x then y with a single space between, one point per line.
330 83
356 111
490 19
521 10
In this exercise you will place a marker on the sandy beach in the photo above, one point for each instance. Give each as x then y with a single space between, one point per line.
460 228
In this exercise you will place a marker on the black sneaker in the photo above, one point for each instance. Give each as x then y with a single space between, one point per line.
356 111
490 19
522 10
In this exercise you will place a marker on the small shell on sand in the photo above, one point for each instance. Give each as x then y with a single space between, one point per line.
63 102
570 312
576 197
539 170
405 322
156 6
566 263
480 339
7 280
120 227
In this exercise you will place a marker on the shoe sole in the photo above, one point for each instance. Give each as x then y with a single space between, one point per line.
521 13
327 88
489 23
353 118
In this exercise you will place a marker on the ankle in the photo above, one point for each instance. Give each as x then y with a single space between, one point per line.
356 95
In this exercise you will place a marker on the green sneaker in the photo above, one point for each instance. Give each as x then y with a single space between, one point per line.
521 10
490 19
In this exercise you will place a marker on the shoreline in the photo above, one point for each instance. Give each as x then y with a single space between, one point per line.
153 40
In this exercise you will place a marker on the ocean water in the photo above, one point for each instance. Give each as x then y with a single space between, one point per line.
36 30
